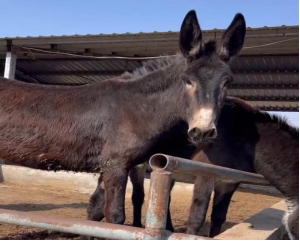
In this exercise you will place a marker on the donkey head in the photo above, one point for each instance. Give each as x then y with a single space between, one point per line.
207 73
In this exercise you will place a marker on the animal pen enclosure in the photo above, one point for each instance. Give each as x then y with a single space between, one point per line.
266 75
163 167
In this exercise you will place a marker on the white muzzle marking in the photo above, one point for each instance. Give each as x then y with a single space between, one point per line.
204 118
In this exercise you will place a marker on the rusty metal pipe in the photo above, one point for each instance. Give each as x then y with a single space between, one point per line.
81 227
85 227
160 184
175 164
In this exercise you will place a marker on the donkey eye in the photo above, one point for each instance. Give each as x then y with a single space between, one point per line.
226 84
187 80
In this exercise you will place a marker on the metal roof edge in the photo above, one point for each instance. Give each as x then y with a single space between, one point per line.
140 33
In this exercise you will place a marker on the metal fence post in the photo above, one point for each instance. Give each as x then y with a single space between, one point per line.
158 205
10 62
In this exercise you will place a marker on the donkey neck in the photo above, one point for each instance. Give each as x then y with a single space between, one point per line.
158 81
158 97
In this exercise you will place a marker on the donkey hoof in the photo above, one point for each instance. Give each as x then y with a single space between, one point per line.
170 228
138 225
117 219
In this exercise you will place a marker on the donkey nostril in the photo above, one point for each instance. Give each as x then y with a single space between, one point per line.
210 133
193 133
196 133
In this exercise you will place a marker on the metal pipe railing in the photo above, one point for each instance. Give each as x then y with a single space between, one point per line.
163 166
88 228
176 164
81 227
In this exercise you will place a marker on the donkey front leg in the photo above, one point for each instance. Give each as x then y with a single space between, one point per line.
115 181
202 192
95 210
137 175
222 198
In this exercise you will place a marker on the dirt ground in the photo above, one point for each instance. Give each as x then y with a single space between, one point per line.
71 204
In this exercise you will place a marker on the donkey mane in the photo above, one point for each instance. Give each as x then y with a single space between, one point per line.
264 117
152 65
149 66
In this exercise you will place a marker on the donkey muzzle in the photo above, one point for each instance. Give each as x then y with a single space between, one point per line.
198 135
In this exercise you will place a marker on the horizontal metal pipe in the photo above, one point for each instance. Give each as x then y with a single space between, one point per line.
81 227
84 227
176 164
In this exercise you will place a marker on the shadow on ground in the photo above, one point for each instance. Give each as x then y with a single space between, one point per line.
42 207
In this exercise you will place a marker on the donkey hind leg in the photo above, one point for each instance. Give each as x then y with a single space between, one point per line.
202 192
95 210
169 225
222 197
291 220
137 175
115 181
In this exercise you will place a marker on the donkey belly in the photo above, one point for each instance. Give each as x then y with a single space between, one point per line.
46 147
48 157
48 127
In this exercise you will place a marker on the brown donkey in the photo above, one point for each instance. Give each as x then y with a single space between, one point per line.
113 125
211 50
248 140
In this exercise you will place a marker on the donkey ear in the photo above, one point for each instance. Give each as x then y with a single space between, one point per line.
190 36
233 38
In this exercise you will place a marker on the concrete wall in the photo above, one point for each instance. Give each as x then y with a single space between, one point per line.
264 225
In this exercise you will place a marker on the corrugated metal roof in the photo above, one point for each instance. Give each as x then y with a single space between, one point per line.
249 29
270 82
266 76
155 43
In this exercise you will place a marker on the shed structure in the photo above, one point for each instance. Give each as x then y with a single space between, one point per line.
266 74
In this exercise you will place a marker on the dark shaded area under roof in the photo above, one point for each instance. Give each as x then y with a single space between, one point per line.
266 72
